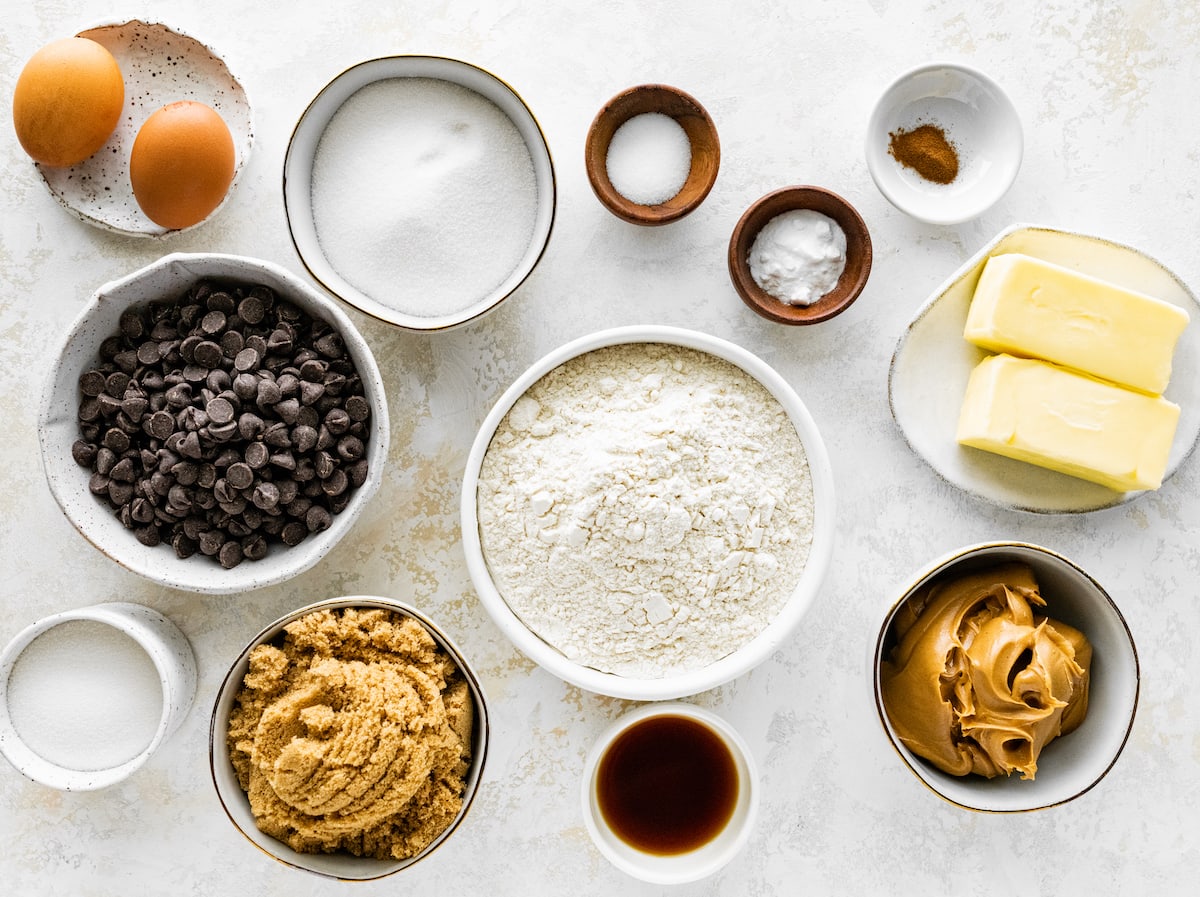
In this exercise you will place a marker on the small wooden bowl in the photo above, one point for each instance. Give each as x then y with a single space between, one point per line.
695 121
858 254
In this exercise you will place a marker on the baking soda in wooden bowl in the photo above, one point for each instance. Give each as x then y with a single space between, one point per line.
86 696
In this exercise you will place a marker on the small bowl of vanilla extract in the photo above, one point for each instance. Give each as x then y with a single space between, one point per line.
670 793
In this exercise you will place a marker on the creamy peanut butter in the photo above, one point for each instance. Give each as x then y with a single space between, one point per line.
977 681
353 734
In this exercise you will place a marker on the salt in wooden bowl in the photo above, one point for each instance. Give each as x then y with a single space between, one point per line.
696 123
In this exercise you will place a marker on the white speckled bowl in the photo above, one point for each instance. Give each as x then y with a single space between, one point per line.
159 65
342 866
1074 763
730 666
302 151
168 278
979 120
172 656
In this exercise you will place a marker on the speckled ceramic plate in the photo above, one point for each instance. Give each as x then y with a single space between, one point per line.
932 362
160 65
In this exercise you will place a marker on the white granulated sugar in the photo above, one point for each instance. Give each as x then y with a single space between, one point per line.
423 195
84 695
646 508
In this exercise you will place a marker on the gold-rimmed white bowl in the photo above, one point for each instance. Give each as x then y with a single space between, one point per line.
298 181
1075 763
340 866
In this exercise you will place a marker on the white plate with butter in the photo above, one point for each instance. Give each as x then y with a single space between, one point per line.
932 361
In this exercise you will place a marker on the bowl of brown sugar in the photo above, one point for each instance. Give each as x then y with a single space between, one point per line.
348 738
944 143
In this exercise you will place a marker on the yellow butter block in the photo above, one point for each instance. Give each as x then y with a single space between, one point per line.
1026 306
1046 415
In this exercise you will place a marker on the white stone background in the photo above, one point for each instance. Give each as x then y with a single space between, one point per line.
1106 92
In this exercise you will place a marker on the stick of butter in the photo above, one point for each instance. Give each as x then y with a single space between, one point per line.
1046 415
1025 306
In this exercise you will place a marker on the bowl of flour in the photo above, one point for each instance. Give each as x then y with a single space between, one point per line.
648 512
420 190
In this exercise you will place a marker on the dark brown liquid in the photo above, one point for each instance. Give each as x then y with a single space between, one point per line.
667 785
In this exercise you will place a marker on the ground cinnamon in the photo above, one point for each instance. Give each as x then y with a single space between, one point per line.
927 151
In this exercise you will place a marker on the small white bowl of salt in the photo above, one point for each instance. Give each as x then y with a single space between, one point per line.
419 190
88 695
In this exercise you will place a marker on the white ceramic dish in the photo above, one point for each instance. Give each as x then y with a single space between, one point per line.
172 656
341 866
978 119
1070 765
298 170
159 65
694 864
932 361
168 278
728 667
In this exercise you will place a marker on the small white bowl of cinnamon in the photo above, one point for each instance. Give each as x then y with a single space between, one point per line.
944 143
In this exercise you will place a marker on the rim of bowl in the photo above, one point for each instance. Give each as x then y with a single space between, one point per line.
934 569
67 481
749 655
702 175
218 753
799 196
652 868
297 200
877 155
120 616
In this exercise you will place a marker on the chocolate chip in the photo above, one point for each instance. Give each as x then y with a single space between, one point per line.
257 455
92 383
83 452
219 411
207 354
240 475
247 360
230 555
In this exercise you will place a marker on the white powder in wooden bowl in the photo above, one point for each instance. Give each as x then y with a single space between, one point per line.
646 509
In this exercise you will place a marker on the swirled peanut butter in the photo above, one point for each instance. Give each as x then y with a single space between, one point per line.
977 681
354 734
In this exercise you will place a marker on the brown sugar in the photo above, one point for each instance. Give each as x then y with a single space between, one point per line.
927 151
353 735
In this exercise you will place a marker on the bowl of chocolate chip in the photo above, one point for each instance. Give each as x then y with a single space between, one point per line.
1006 678
213 423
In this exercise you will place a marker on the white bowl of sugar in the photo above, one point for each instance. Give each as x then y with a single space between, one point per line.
420 190
88 695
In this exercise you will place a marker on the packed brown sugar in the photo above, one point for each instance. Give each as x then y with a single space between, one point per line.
353 733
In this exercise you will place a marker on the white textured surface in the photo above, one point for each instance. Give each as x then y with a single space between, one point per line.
1102 89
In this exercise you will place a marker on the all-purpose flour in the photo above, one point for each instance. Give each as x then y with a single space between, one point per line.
646 508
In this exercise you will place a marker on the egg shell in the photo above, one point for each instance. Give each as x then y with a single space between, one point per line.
67 101
182 164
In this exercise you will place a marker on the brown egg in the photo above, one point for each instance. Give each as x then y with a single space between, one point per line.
182 164
67 101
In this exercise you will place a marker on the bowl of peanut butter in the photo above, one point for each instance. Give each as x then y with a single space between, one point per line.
1006 678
